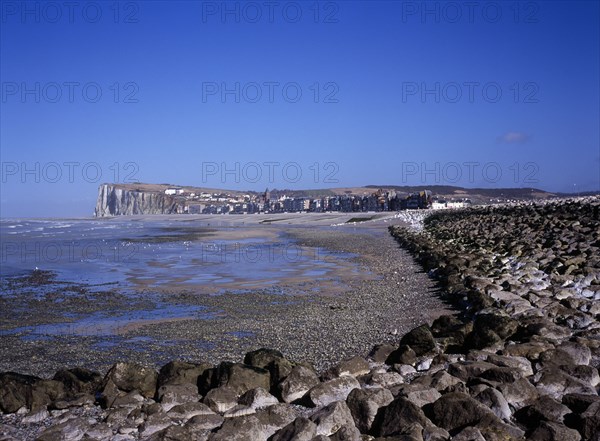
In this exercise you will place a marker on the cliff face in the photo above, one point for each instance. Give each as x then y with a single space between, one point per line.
113 200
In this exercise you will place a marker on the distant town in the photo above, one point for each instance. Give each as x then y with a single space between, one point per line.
268 202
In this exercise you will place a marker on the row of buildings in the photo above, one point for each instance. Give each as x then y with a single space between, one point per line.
380 200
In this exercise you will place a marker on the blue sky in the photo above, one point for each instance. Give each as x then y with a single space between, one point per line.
302 95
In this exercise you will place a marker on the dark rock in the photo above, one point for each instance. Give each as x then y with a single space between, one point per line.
433 433
271 360
382 379
364 405
551 431
245 428
530 350
79 381
490 329
579 403
502 374
240 377
130 400
130 376
417 394
469 434
544 408
398 415
207 380
403 355
587 374
180 372
455 411
346 433
495 401
381 352
262 357
172 433
17 390
78 401
446 325
588 423
520 363
555 382
442 381
464 370
420 340
301 429
520 393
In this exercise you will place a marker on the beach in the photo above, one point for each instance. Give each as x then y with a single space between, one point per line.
470 324
323 289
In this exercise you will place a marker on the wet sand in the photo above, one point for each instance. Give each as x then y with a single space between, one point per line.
370 298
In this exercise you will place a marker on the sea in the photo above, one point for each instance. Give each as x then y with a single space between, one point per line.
149 257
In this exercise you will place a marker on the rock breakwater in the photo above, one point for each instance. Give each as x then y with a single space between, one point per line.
519 362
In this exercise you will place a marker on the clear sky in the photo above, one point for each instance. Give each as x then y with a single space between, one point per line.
283 94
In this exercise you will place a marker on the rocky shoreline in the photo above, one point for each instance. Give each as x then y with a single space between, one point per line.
519 362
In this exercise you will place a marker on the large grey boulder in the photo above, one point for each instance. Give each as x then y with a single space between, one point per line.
354 367
204 422
300 380
520 393
257 398
155 423
333 390
330 418
245 428
276 416
73 429
364 405
240 377
301 429
496 402
171 395
221 399
130 376
183 412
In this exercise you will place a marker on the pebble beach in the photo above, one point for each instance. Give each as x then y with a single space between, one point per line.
477 324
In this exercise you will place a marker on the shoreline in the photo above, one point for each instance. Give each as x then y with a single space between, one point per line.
321 321
520 361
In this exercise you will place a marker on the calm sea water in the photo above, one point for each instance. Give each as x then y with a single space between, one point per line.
154 253
146 259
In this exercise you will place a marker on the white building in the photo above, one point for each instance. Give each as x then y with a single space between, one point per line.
174 190
446 205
